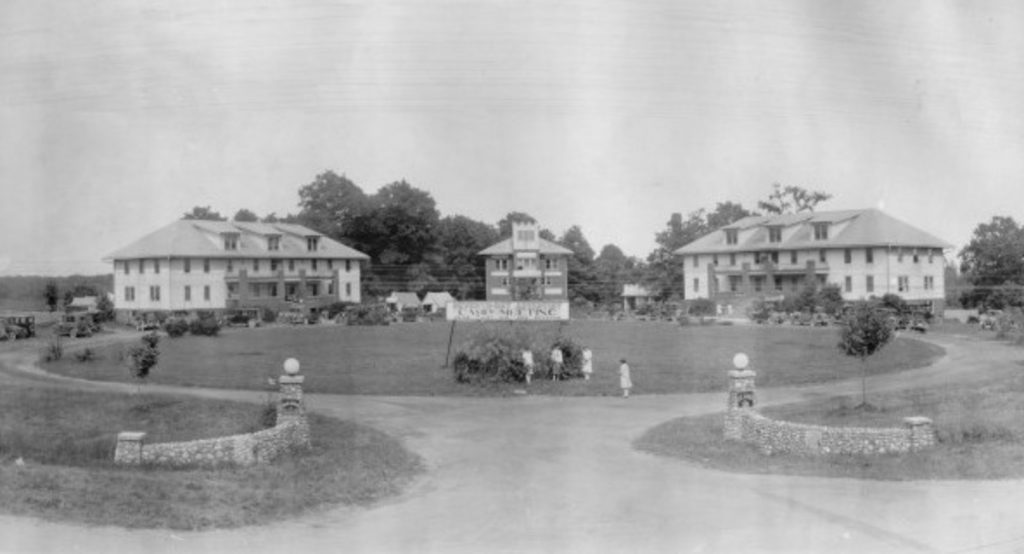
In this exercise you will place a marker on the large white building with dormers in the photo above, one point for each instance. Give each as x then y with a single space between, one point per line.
867 253
195 265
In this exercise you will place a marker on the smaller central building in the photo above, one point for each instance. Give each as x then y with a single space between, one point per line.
527 267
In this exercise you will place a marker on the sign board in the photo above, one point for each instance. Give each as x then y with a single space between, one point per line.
508 311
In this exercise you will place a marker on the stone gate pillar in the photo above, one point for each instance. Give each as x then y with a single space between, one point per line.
289 405
741 398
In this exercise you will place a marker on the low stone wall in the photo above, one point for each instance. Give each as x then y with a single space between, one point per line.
243 450
772 436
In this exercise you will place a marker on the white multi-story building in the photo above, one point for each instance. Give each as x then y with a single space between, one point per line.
194 265
867 253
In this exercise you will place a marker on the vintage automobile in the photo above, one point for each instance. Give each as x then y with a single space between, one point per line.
244 317
17 327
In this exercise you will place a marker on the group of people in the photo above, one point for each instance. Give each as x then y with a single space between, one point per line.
558 362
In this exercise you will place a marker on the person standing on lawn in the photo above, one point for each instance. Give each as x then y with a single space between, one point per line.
624 378
528 362
588 363
556 362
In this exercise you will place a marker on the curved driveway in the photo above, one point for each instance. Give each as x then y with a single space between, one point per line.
544 474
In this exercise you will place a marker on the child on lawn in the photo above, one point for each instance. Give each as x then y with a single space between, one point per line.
624 380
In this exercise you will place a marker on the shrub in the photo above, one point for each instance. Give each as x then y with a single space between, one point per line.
267 415
176 327
369 314
572 358
205 325
86 355
759 311
411 314
144 356
495 354
337 308
685 321
53 351
269 316
702 307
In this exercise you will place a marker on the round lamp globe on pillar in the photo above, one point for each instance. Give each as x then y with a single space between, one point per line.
291 366
740 361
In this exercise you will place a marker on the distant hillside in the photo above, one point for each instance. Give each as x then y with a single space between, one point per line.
25 292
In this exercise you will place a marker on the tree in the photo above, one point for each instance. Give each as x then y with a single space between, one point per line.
51 295
204 213
664 276
830 299
105 307
726 213
993 258
245 216
332 204
866 329
505 225
400 226
581 262
69 297
459 240
143 357
792 199
612 269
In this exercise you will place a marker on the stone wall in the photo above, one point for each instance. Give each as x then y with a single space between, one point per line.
798 438
243 450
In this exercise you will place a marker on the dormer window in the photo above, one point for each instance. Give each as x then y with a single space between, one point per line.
525 235
273 242
775 233
732 236
312 243
821 231
230 241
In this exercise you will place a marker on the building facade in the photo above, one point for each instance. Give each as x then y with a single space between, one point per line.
867 253
191 266
527 267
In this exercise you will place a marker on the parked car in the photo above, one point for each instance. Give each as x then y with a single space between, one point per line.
245 317
17 327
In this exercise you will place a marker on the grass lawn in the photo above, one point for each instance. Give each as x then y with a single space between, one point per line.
407 359
67 440
979 433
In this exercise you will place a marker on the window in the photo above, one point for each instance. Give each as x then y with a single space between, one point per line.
696 284
142 266
126 268
870 283
931 255
847 256
758 283
254 290
732 258
273 290
206 292
313 263
903 283
899 255
848 284
916 259
188 293
291 265
821 255
232 290
231 265
154 293
129 293
348 266
775 257
778 283
255 265
775 233
188 265
714 259
869 255
330 264
504 281
929 282
348 289
792 257
696 260
501 263
206 265
734 283
230 241
312 243
273 242
156 266
732 236
274 263
821 231
549 264
524 235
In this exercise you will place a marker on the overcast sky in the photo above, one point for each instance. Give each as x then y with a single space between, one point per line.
118 116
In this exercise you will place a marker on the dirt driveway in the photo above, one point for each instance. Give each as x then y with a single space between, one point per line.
541 474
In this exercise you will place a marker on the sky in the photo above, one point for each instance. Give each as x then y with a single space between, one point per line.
116 117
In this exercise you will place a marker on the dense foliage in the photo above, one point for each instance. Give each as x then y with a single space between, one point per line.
495 355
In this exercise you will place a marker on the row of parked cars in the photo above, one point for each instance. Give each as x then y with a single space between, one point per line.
912 322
